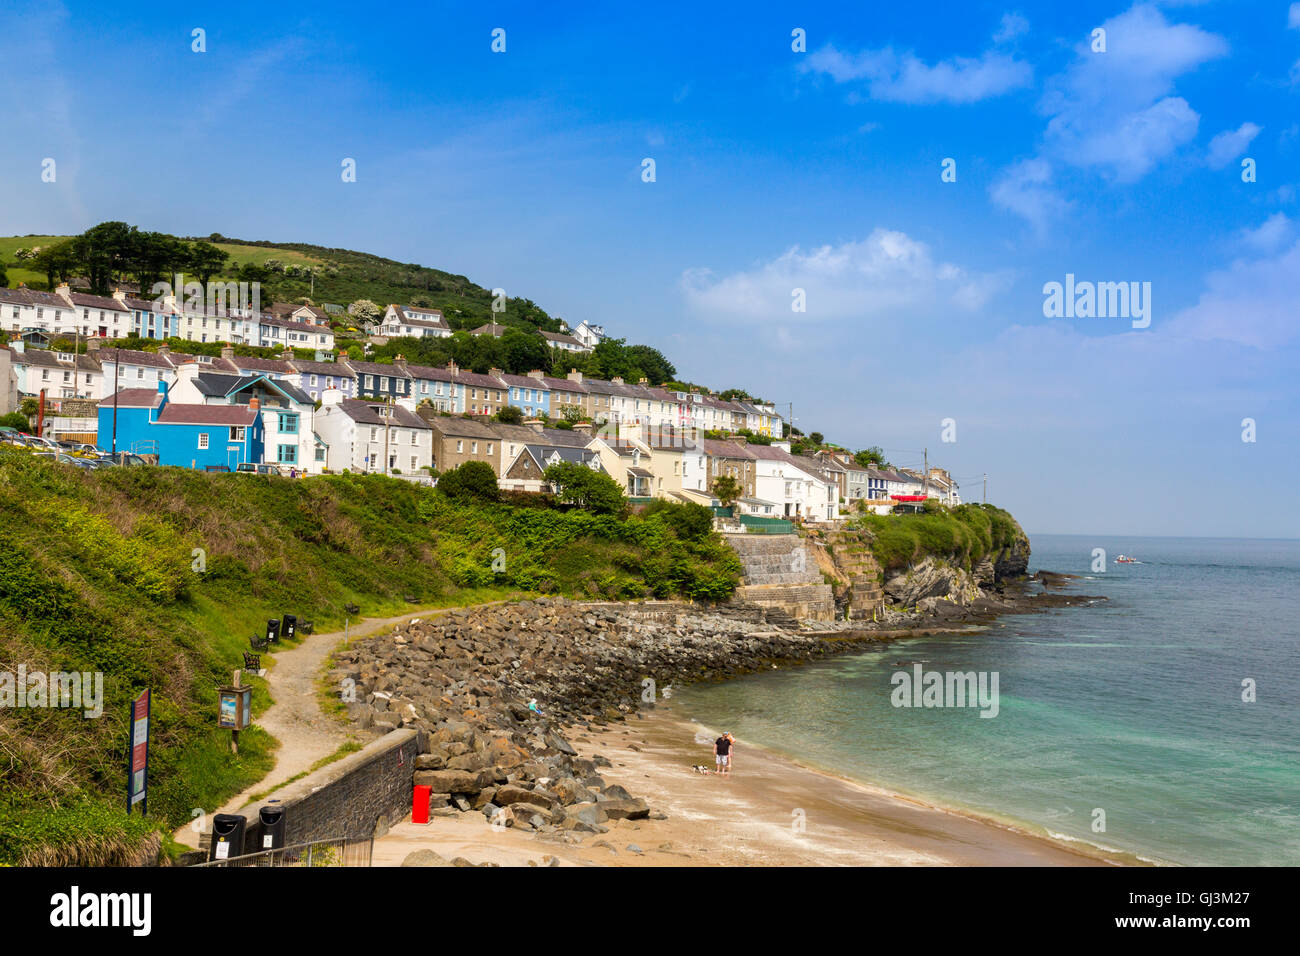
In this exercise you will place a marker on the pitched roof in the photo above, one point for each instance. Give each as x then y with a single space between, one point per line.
132 398
85 300
458 427
25 296
560 338
243 362
176 414
367 413
133 357
727 449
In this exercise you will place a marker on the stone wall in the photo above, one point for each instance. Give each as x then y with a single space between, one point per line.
782 575
346 798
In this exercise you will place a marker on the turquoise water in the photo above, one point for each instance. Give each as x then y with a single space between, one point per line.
1133 706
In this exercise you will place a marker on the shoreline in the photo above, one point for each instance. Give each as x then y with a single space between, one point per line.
772 811
466 677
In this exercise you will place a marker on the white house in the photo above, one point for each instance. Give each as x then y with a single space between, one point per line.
795 487
402 321
589 335
368 436
289 333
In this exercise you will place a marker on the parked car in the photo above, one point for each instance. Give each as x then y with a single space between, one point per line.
125 458
66 459
248 468
36 441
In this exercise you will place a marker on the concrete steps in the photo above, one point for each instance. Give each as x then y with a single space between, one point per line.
781 575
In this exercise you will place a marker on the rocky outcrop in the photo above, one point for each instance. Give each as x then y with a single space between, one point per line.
495 690
932 578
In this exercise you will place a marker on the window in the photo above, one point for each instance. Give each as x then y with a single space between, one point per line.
288 454
413 463
203 441
373 433
473 448
314 381
288 424
460 446
329 381
415 437
320 454
489 448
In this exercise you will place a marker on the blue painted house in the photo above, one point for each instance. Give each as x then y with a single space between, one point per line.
188 436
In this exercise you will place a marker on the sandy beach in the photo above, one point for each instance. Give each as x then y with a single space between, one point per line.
769 812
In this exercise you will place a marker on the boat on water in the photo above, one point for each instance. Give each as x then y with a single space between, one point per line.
1126 559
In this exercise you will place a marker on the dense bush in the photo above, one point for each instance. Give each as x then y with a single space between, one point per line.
100 571
691 522
592 490
964 535
472 481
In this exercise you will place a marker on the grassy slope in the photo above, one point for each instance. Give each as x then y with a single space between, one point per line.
962 535
96 575
354 275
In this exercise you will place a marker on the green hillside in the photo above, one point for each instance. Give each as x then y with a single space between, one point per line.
98 573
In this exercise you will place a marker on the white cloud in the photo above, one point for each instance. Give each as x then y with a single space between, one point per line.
1271 234
1012 26
1114 110
1293 16
1252 301
1025 189
904 78
1230 144
888 274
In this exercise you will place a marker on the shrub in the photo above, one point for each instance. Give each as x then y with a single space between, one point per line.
689 521
474 480
591 490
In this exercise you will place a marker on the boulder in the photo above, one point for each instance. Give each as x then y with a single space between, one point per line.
424 858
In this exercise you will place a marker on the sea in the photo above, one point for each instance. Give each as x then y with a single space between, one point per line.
1162 723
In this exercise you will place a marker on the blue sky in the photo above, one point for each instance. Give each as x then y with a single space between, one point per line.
775 170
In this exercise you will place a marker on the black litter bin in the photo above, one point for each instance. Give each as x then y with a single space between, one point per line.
272 827
272 631
227 836
290 626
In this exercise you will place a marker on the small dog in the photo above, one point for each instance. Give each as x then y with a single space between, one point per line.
700 768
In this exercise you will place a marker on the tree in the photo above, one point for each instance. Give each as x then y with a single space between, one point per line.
875 455
205 260
654 366
363 310
56 261
593 490
4 278
817 438
472 481
524 351
510 415
572 414
727 490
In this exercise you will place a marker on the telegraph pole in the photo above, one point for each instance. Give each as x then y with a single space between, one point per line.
388 419
986 489
925 477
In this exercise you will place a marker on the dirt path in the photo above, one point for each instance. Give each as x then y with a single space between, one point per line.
305 734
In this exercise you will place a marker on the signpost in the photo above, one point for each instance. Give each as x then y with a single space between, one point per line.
137 770
235 710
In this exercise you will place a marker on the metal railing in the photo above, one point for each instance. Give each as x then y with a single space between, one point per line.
340 852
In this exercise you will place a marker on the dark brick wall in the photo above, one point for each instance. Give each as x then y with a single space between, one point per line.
346 798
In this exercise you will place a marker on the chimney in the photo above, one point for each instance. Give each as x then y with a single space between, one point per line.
254 404
537 374
92 344
495 372
643 380
63 289
287 354
583 427
164 350
575 376
331 396
617 380
535 424
228 352
453 367
738 439
400 361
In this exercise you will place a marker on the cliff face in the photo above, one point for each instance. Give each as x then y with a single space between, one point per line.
930 575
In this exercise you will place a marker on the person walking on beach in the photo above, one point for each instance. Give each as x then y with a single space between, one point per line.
722 749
